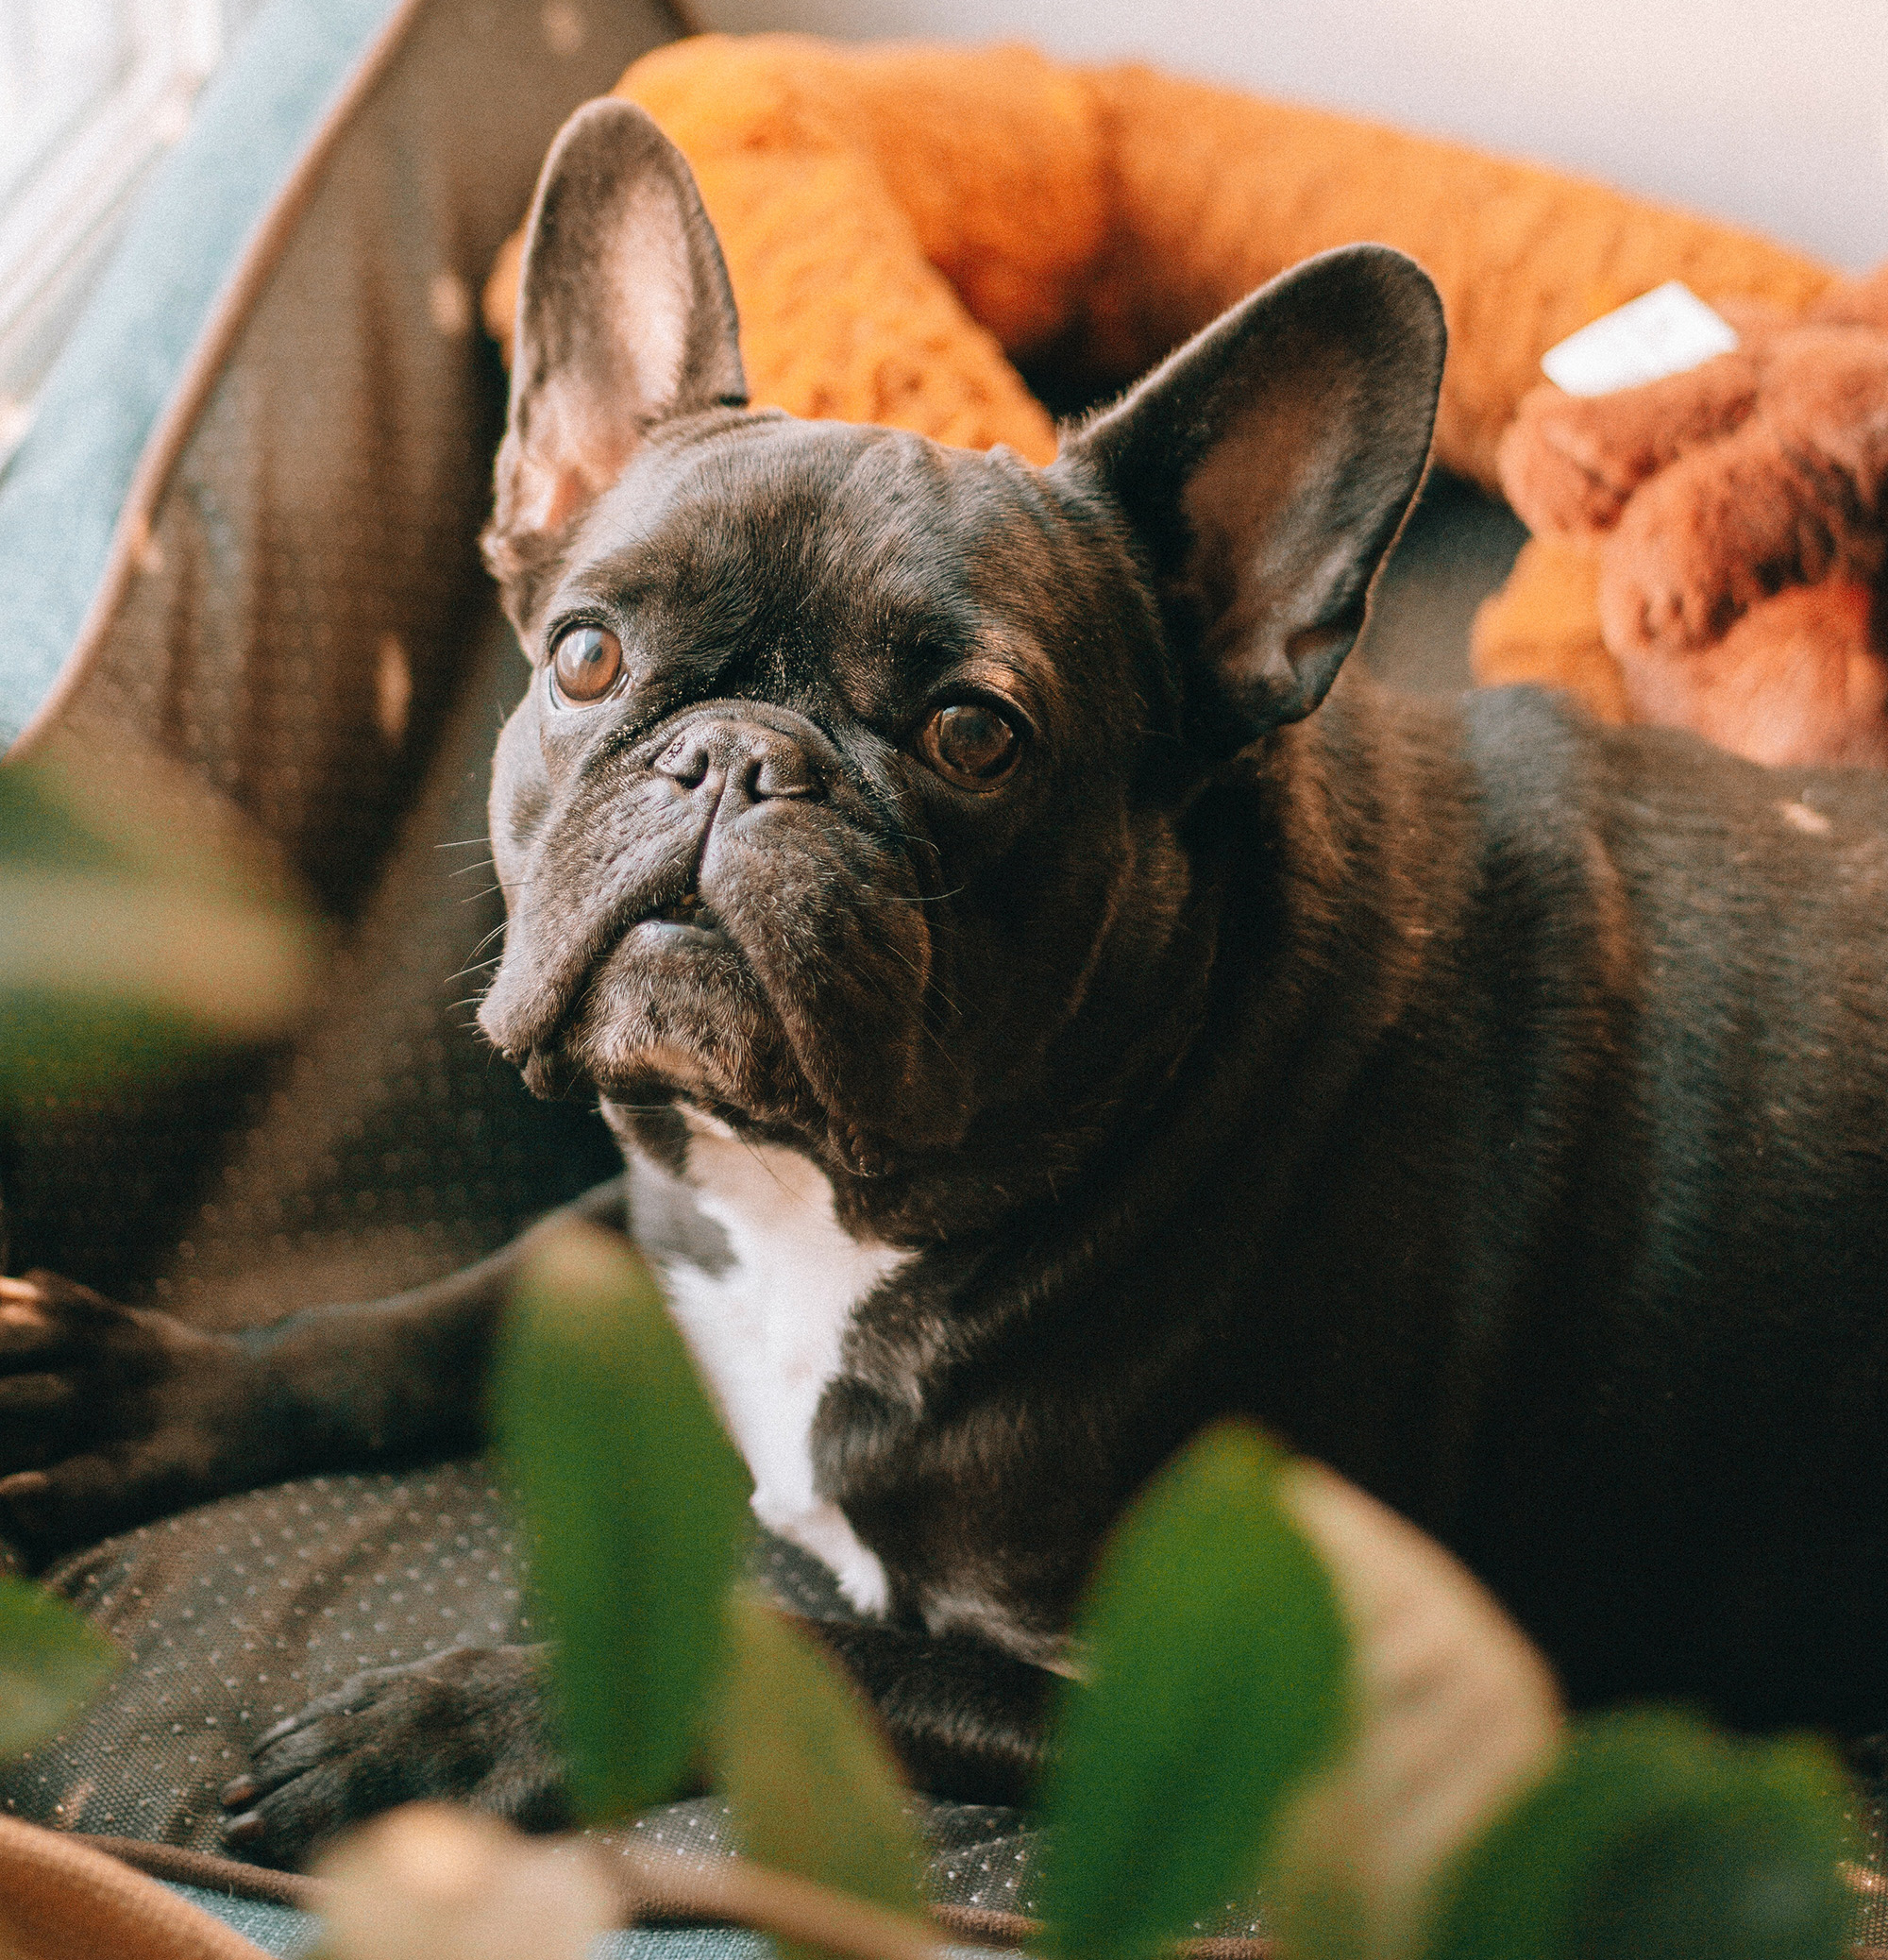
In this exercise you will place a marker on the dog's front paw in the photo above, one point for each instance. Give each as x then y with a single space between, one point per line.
468 1723
109 1414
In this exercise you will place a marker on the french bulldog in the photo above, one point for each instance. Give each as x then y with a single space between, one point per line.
1035 1032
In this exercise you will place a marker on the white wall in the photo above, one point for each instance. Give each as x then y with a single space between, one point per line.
1772 113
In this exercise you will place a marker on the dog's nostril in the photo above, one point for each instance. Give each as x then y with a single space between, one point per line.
757 764
686 761
775 774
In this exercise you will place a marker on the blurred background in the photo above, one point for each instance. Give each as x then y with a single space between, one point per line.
92 93
1773 116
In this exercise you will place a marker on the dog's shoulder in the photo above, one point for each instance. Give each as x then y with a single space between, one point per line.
1726 923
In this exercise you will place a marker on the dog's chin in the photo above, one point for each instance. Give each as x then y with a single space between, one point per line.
673 1011
787 983
675 1014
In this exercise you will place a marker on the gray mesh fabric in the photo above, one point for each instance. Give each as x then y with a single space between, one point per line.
235 1615
232 1616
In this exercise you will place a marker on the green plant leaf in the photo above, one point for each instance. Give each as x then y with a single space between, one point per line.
51 1665
811 1783
128 945
1454 1712
1219 1682
637 1508
40 825
1657 1838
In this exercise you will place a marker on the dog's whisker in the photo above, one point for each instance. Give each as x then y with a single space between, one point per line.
923 898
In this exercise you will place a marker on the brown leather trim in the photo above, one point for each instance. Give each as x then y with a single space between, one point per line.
985 1926
60 1897
981 1926
178 1865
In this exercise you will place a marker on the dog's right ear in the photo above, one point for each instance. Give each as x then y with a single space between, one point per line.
625 318
1264 470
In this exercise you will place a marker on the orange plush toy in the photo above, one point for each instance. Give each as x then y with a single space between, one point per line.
907 226
904 224
1736 519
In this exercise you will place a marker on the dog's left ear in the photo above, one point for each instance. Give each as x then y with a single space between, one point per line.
1265 467
625 318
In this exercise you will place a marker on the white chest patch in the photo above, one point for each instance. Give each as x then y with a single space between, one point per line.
762 1315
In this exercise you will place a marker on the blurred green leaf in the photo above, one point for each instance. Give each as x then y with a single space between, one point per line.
1454 1712
1657 1838
40 824
126 942
638 1507
798 1756
1220 1681
51 1665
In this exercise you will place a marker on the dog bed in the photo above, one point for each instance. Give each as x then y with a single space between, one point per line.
241 536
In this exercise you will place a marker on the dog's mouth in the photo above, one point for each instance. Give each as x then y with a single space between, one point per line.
763 970
691 911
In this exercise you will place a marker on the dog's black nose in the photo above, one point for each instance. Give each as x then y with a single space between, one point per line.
745 760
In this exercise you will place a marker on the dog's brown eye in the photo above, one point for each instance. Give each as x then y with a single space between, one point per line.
587 663
969 744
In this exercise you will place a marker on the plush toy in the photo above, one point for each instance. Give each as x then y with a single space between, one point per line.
1736 524
906 225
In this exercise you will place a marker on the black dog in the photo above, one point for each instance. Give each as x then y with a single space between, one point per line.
1032 1038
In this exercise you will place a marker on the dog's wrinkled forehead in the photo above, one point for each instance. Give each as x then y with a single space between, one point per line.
760 556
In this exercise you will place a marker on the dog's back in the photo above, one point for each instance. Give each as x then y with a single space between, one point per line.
1570 1226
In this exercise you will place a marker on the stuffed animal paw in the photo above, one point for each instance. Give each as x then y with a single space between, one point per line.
1739 518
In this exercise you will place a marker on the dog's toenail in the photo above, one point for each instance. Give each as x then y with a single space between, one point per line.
240 1791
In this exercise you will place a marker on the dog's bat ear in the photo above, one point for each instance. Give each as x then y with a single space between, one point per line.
625 318
1265 467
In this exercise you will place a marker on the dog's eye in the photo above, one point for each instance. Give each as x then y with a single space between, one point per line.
969 744
585 664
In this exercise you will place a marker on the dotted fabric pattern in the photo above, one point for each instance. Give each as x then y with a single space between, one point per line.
237 1613
310 637
980 1855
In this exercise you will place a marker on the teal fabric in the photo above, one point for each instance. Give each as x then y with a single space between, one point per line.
276 1929
289 1934
61 491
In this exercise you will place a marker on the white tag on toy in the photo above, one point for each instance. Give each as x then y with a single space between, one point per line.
1663 332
